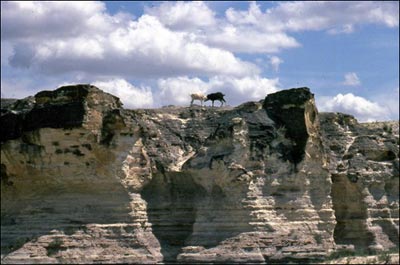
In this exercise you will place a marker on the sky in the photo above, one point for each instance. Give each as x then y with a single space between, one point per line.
153 54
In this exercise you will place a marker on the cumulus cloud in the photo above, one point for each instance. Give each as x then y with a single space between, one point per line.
170 39
33 21
98 43
250 16
318 15
361 108
274 24
249 87
177 90
237 38
130 96
237 90
390 100
255 31
275 61
351 79
183 15
205 27
347 29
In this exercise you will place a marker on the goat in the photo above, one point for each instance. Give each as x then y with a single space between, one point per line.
216 96
197 96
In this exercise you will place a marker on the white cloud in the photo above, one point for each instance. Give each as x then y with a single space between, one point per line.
247 88
172 38
255 31
351 79
361 108
177 90
251 16
36 20
201 23
322 15
198 20
275 61
237 90
130 96
347 29
183 15
390 100
97 43
274 24
237 38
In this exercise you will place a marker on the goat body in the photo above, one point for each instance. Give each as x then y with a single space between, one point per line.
216 96
197 96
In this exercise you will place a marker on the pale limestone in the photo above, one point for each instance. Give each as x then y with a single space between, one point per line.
195 185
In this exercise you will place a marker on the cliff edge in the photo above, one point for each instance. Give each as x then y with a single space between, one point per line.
84 180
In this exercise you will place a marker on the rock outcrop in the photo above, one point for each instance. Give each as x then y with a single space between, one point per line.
364 164
85 181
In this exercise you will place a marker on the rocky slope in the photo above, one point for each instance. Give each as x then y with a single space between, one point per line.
85 181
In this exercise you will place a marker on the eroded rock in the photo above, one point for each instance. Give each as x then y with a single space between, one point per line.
262 182
365 181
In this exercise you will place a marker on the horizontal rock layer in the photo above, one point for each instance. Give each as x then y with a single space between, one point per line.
85 181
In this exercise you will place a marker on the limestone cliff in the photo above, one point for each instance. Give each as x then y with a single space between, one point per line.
85 181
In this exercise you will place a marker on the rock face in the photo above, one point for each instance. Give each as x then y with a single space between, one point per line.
364 165
85 181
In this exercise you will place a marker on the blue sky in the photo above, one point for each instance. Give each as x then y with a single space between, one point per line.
152 54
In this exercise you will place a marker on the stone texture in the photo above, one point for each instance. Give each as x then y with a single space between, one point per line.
365 174
85 181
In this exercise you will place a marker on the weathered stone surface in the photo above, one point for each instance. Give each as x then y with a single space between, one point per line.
364 163
263 182
66 107
295 110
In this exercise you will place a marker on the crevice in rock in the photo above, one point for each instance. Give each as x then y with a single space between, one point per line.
171 210
4 177
221 216
390 230
351 214
112 122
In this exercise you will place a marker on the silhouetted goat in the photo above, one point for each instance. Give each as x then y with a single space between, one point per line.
216 96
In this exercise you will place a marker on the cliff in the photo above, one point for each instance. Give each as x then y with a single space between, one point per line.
85 181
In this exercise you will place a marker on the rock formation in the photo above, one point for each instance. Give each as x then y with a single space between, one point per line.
85 181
